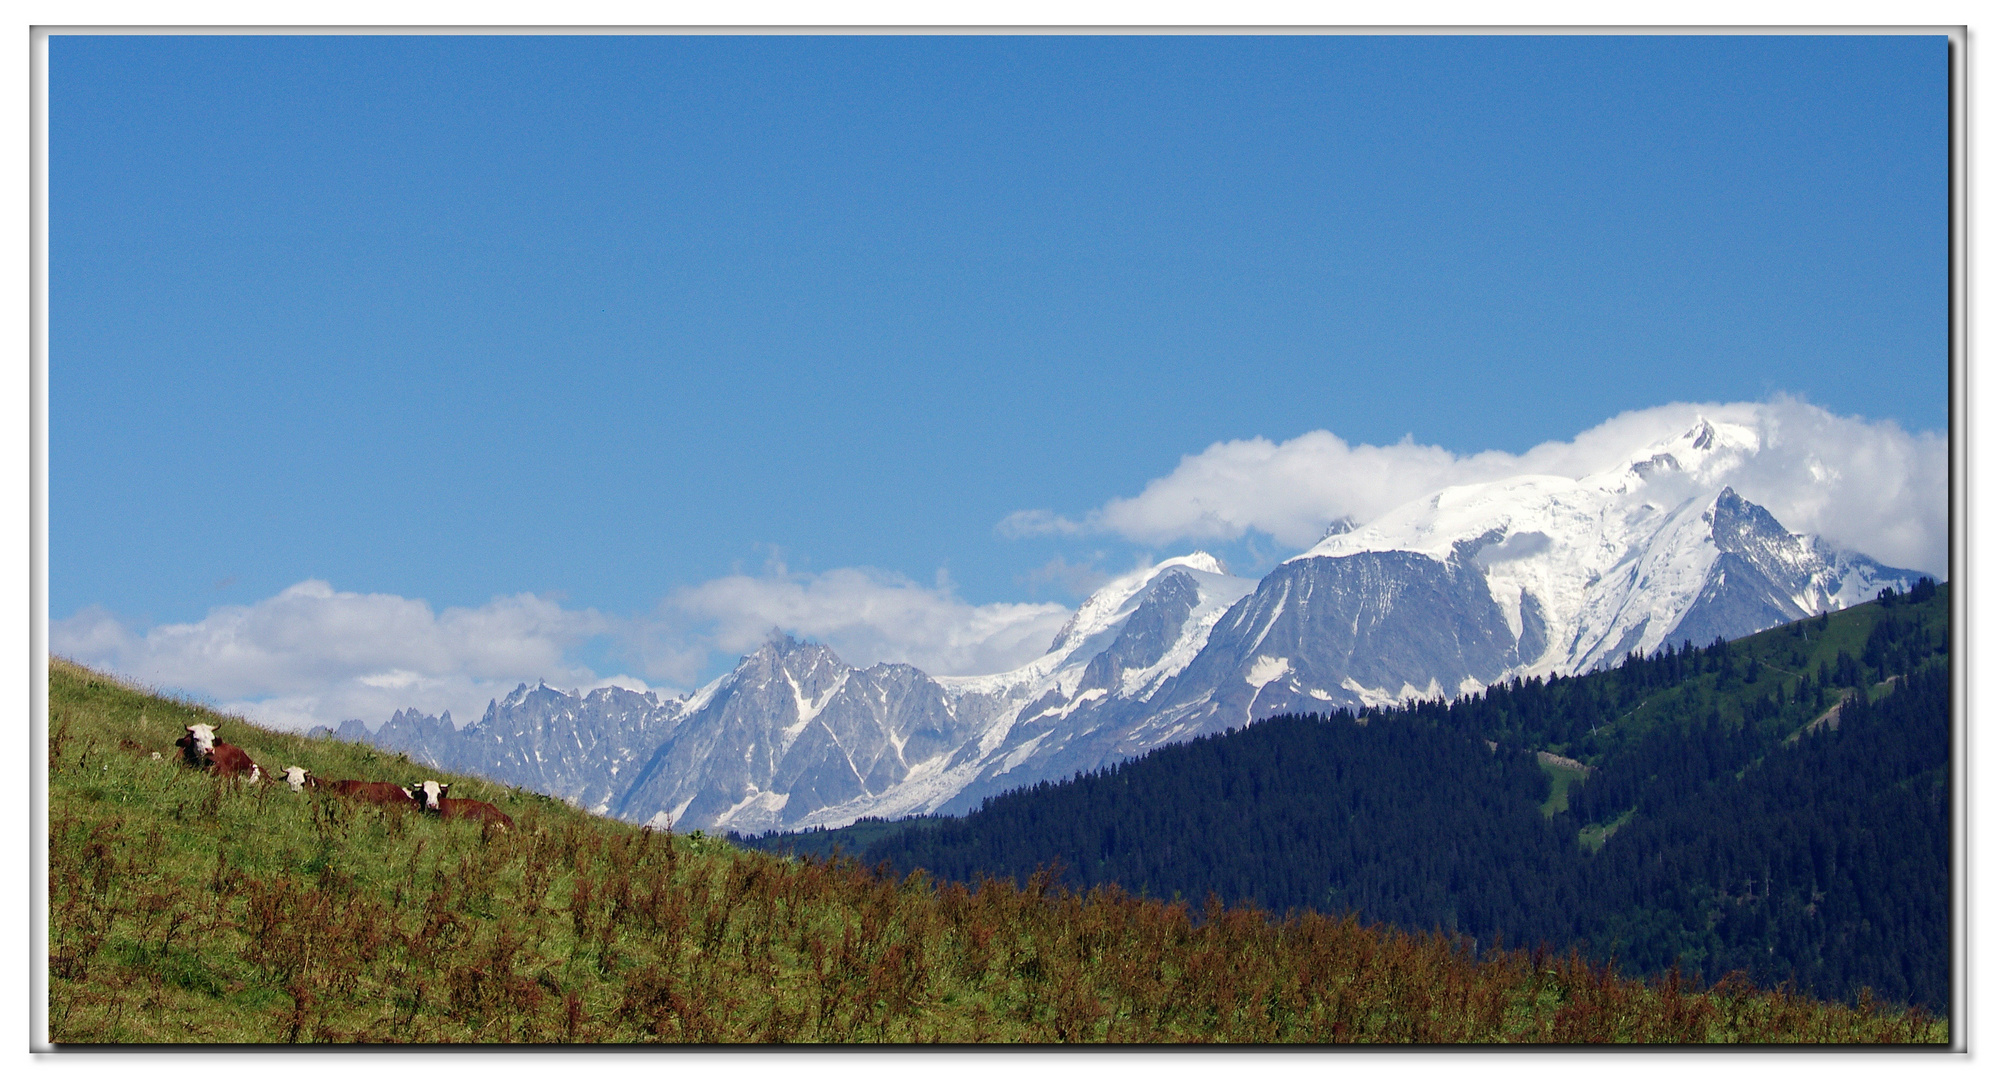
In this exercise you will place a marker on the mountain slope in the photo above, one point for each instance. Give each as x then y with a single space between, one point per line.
582 748
1537 575
793 731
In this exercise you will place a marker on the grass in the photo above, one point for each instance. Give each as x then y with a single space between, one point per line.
1561 779
1593 837
187 909
1783 658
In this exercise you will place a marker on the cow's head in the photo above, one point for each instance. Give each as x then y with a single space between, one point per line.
295 777
429 793
198 743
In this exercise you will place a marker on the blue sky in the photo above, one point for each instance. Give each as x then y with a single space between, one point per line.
607 320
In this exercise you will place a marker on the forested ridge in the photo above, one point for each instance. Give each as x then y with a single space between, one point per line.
1777 805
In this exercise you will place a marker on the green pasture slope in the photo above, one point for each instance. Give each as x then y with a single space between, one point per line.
1561 776
187 909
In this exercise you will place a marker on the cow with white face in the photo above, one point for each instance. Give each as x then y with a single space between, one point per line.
198 745
430 796
201 749
297 779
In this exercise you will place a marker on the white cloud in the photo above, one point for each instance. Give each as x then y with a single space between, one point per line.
866 616
1872 487
1037 523
1077 579
312 654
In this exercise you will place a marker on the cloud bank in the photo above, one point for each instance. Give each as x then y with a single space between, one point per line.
866 616
1870 487
316 655
312 654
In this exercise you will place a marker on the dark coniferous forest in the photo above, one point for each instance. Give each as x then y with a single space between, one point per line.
1776 805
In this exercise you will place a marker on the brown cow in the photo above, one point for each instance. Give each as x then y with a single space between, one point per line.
232 761
380 792
200 749
375 791
475 810
430 795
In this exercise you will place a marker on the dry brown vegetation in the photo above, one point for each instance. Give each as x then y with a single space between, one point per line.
189 909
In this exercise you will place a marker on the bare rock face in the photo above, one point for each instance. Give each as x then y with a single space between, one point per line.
582 748
794 731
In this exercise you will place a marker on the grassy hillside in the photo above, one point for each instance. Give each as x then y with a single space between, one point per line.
189 909
1777 681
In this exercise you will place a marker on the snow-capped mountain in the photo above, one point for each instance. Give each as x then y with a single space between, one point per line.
794 737
1653 550
1531 575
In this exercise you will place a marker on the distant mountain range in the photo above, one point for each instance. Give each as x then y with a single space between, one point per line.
1444 595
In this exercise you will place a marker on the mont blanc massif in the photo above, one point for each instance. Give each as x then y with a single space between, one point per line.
1531 575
